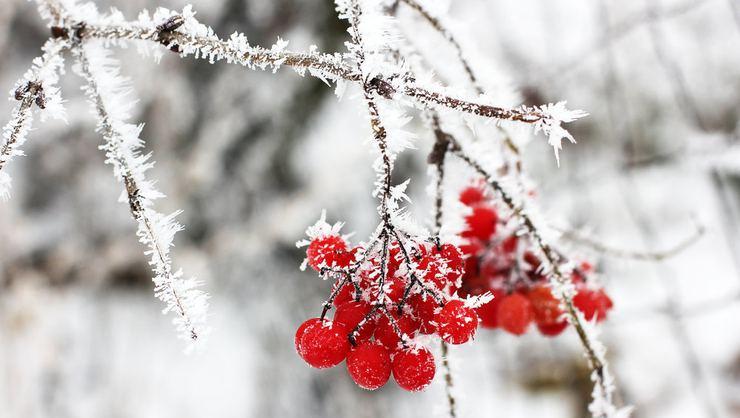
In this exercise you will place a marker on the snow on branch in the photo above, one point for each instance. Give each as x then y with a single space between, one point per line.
109 94
183 34
38 87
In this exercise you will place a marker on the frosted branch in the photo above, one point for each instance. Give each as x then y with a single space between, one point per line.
107 90
37 87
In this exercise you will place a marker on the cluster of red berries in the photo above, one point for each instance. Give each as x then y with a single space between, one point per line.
500 262
387 295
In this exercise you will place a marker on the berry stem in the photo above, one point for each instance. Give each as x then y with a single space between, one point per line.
333 295
449 384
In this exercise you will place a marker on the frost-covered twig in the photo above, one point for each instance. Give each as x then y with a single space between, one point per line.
440 27
193 38
107 90
37 87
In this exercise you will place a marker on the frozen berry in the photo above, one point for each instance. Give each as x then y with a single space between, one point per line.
546 310
509 244
424 308
413 369
472 195
393 287
552 330
488 313
302 330
481 223
456 323
324 343
345 294
350 314
386 333
515 313
593 303
369 365
329 251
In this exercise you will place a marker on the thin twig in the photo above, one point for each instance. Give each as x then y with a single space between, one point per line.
676 249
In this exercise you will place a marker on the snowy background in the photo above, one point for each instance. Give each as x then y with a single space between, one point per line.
253 157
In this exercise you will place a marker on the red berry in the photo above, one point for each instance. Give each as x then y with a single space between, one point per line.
546 310
472 195
302 330
424 308
552 330
488 313
394 261
592 303
413 369
386 333
481 223
329 251
515 314
509 244
324 344
345 294
394 288
532 260
456 323
470 255
350 314
442 266
369 365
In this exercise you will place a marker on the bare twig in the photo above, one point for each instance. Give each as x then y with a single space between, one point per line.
676 249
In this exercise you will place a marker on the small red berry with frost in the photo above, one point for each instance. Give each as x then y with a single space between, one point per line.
329 251
488 313
546 310
350 314
456 323
481 223
515 313
509 244
413 368
472 195
369 365
386 333
592 303
323 344
424 308
345 294
302 330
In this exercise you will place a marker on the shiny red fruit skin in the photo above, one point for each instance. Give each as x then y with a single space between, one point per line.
413 368
481 223
553 329
346 294
472 195
488 313
369 365
386 333
324 344
302 330
424 308
350 314
515 314
593 303
545 307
